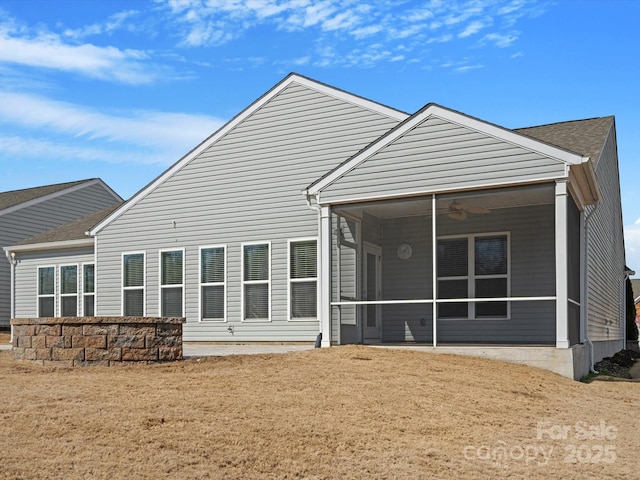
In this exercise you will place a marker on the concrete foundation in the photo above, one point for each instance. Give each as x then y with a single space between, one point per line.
572 362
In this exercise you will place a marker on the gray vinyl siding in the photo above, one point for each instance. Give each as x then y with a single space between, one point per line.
532 240
246 187
26 296
26 222
605 252
439 156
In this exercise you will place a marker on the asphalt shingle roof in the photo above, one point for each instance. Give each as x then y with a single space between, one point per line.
16 197
71 231
586 137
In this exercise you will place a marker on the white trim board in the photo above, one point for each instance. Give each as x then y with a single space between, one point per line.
436 111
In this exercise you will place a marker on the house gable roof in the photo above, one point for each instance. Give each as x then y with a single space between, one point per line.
246 113
18 199
559 155
70 234
583 136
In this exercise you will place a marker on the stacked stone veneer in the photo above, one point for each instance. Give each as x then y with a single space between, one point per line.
80 341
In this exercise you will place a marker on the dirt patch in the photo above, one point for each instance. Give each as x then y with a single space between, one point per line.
4 338
344 412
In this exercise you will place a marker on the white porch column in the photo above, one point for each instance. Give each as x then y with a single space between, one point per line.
324 277
562 269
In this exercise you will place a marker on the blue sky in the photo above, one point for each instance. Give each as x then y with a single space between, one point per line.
122 89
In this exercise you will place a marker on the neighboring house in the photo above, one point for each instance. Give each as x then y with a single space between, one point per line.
24 213
635 286
315 211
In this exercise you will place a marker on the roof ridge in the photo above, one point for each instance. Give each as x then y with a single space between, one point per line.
73 182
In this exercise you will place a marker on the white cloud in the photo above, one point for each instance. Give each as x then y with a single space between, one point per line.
473 28
500 40
216 22
115 22
48 51
149 129
467 68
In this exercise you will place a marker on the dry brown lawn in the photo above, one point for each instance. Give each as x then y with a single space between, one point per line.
344 412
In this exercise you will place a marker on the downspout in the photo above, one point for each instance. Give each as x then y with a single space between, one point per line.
318 342
586 293
11 256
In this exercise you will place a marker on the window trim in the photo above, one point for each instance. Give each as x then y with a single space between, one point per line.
47 295
255 282
213 284
144 281
83 293
296 280
161 287
64 295
471 276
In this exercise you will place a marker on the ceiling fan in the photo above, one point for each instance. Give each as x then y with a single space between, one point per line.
459 211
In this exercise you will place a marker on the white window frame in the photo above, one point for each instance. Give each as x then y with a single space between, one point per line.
296 280
144 281
471 276
255 282
212 284
84 294
64 295
161 286
47 295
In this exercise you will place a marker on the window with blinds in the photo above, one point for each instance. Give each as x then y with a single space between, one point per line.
303 280
46 291
133 266
256 281
212 283
171 283
69 290
88 290
473 267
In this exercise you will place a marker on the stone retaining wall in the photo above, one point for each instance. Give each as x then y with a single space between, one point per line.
80 341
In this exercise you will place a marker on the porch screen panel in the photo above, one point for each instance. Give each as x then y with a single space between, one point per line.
171 284
303 279
212 280
133 284
491 275
453 276
256 281
46 291
69 291
346 238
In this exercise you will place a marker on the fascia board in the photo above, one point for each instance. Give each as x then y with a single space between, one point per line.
432 110
81 242
246 113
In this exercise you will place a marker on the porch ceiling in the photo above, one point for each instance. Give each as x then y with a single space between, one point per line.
488 199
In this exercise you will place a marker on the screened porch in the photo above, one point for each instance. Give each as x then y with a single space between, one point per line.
457 269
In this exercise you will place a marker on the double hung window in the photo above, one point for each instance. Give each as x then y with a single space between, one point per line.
69 291
212 283
303 279
256 279
133 271
46 291
172 283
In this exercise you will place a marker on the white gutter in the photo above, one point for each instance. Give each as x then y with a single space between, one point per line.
586 292
81 242
317 208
